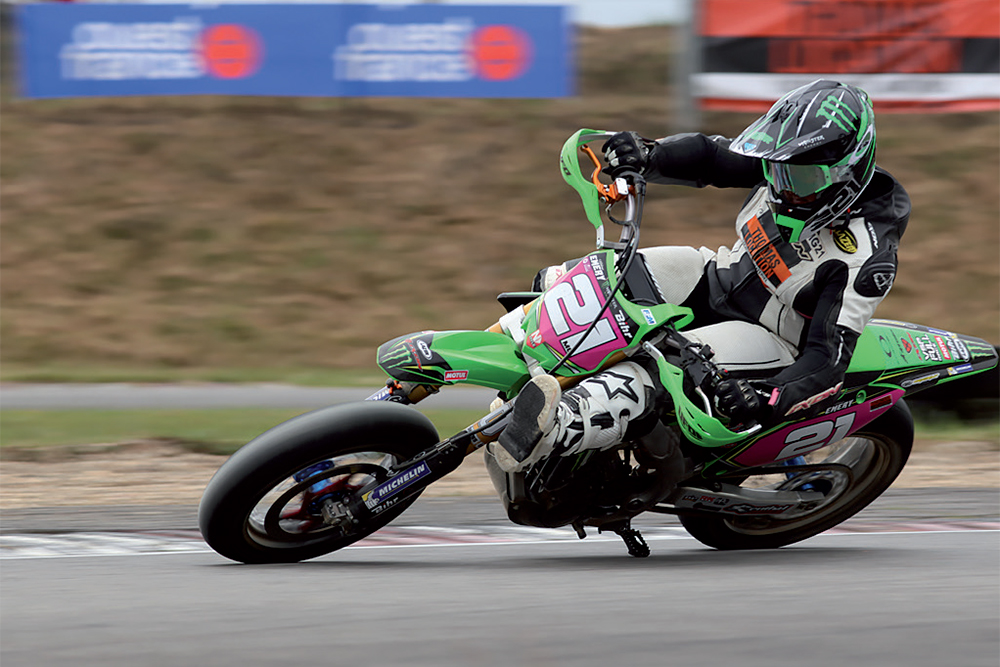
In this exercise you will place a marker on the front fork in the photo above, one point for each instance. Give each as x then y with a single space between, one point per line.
414 475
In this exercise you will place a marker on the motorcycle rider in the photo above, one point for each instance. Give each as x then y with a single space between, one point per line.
783 309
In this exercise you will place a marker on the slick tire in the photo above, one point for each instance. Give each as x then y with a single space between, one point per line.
882 448
232 507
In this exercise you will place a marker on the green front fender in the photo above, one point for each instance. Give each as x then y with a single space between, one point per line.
481 358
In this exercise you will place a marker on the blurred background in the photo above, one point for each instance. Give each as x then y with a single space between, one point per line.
175 236
267 192
232 234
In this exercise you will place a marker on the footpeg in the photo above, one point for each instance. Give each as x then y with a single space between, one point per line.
634 542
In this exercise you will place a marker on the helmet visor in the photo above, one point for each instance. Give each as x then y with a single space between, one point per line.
802 180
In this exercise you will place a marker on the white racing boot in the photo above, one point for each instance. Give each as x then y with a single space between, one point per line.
534 415
592 415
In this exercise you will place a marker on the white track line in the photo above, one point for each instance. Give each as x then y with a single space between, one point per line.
92 545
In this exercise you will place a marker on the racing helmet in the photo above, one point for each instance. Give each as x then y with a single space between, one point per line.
817 144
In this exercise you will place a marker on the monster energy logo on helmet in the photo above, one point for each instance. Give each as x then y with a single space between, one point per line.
823 158
838 113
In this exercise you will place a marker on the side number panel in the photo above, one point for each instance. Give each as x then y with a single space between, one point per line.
804 437
808 438
578 301
567 310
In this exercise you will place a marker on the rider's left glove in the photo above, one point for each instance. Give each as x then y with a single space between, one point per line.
626 151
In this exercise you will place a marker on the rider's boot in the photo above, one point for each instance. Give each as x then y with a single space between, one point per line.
592 415
534 415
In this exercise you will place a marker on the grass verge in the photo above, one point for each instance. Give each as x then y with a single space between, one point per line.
308 377
949 427
217 431
223 431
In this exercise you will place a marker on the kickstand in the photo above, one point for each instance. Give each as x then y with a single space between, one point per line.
633 538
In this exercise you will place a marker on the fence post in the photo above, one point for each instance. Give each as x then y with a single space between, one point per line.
686 62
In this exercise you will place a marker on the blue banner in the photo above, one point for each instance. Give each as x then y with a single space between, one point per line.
83 50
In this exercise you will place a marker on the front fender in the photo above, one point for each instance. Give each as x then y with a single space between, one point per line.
483 358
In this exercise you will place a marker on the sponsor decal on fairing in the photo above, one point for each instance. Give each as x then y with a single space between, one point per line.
928 348
943 346
923 379
813 400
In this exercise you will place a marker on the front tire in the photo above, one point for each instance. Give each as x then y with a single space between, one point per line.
264 503
876 453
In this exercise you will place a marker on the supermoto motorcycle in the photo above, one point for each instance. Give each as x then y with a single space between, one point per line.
326 479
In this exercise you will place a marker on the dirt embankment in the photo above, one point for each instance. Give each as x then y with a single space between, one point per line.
158 473
296 233
289 233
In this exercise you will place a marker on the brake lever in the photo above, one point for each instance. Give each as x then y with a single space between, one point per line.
696 362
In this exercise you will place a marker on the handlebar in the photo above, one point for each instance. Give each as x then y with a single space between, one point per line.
629 187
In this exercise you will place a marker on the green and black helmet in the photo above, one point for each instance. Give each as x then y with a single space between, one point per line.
818 148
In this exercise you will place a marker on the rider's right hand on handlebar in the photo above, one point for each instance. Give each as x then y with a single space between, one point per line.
739 401
626 152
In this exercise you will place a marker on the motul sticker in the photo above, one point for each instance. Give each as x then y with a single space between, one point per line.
943 347
456 376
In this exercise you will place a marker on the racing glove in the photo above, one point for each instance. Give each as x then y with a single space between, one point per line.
626 151
739 401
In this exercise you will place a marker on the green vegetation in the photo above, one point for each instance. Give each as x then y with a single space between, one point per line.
950 426
310 377
167 238
220 431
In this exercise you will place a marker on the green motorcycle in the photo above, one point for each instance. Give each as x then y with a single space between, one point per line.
328 478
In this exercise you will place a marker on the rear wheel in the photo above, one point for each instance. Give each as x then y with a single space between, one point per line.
875 455
280 497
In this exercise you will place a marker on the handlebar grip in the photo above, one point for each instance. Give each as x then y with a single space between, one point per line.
631 176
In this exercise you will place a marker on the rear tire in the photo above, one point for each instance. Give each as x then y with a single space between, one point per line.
254 510
877 452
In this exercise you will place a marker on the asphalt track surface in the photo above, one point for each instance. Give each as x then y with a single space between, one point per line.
913 580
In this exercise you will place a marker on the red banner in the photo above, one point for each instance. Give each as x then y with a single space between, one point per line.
908 54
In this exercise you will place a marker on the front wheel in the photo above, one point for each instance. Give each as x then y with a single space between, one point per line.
876 454
275 500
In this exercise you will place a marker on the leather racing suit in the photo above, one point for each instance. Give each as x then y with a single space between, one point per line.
787 315
816 294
